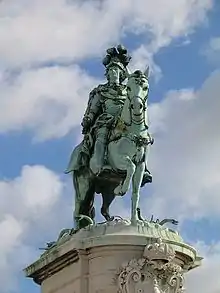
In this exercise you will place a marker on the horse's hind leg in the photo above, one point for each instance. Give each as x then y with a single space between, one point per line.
107 199
87 208
84 196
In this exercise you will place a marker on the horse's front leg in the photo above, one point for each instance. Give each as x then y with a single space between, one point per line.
136 186
124 163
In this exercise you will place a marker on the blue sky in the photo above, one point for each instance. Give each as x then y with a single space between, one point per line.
50 57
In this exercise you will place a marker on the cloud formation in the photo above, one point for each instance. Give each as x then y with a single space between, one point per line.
184 159
212 51
49 101
33 32
205 279
30 213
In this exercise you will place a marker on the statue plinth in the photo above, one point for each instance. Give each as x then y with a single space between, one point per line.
116 257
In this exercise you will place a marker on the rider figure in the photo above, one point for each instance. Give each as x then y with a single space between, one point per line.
105 104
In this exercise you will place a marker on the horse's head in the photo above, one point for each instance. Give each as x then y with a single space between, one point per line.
137 88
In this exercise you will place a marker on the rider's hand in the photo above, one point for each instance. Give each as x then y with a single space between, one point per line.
151 139
86 123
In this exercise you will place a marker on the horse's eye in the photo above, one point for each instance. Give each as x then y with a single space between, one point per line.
128 88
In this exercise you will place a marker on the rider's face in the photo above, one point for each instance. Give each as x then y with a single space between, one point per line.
113 74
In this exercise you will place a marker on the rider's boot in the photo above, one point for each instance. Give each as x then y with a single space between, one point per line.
147 178
97 160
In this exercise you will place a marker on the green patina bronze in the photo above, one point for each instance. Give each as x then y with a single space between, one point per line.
114 151
112 157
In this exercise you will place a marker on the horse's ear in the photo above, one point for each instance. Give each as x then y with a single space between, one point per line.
127 72
147 72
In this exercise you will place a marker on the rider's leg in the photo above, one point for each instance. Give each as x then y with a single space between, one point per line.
97 160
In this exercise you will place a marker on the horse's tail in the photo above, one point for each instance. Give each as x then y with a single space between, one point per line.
87 218
74 162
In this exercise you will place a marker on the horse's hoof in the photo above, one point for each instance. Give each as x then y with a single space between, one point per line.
119 190
106 215
135 221
95 167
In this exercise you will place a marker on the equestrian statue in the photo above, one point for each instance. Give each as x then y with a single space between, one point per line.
114 151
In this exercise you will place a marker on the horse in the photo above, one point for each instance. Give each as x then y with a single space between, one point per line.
127 155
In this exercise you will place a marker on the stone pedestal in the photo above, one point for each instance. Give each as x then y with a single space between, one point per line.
116 257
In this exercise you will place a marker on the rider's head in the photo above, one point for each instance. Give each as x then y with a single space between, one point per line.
115 74
115 61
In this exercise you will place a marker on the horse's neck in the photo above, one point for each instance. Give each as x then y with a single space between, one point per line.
126 114
131 126
137 128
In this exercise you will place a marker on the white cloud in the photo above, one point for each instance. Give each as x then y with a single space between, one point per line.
34 207
32 210
35 32
50 101
59 29
141 58
175 19
212 50
215 44
11 231
185 158
206 278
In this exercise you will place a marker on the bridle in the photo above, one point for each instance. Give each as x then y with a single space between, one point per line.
144 107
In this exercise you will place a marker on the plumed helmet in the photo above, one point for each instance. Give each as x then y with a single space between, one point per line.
119 54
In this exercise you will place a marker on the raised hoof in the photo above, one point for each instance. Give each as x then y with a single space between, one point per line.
96 171
119 190
95 168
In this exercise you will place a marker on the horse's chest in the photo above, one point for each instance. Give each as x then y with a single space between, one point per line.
136 153
139 155
139 147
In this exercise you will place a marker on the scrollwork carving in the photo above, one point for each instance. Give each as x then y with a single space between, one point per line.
130 271
159 250
154 272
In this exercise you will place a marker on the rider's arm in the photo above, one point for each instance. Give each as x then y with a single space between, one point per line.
92 111
94 105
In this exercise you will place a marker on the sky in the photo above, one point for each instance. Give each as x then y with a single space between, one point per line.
50 59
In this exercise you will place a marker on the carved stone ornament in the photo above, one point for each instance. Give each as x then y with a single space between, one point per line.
155 272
